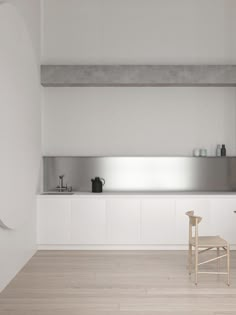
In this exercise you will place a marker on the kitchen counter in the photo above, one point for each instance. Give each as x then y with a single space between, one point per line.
142 193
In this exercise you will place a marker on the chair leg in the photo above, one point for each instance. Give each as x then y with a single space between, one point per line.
190 259
228 265
218 260
196 265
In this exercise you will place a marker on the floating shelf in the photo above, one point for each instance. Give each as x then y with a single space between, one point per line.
137 75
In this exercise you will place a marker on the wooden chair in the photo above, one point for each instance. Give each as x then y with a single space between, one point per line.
202 244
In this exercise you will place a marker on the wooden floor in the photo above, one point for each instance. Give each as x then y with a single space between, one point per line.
116 282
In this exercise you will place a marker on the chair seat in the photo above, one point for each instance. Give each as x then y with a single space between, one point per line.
210 241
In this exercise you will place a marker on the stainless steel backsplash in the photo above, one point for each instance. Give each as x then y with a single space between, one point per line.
142 173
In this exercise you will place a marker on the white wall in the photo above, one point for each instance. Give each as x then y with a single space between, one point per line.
130 121
137 121
20 130
138 31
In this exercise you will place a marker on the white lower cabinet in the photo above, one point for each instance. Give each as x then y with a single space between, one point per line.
158 221
133 220
53 221
123 221
223 218
88 221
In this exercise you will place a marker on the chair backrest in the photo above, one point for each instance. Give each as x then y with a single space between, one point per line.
193 222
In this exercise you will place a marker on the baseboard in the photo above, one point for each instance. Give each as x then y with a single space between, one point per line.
115 247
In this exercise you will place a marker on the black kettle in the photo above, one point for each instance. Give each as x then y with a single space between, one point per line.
97 184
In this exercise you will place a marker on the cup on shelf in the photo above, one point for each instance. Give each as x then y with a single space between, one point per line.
203 152
196 152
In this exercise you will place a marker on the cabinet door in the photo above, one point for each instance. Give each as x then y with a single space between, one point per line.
223 218
88 221
123 221
53 221
201 207
158 221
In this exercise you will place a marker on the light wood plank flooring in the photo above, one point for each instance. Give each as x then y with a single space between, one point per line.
116 282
